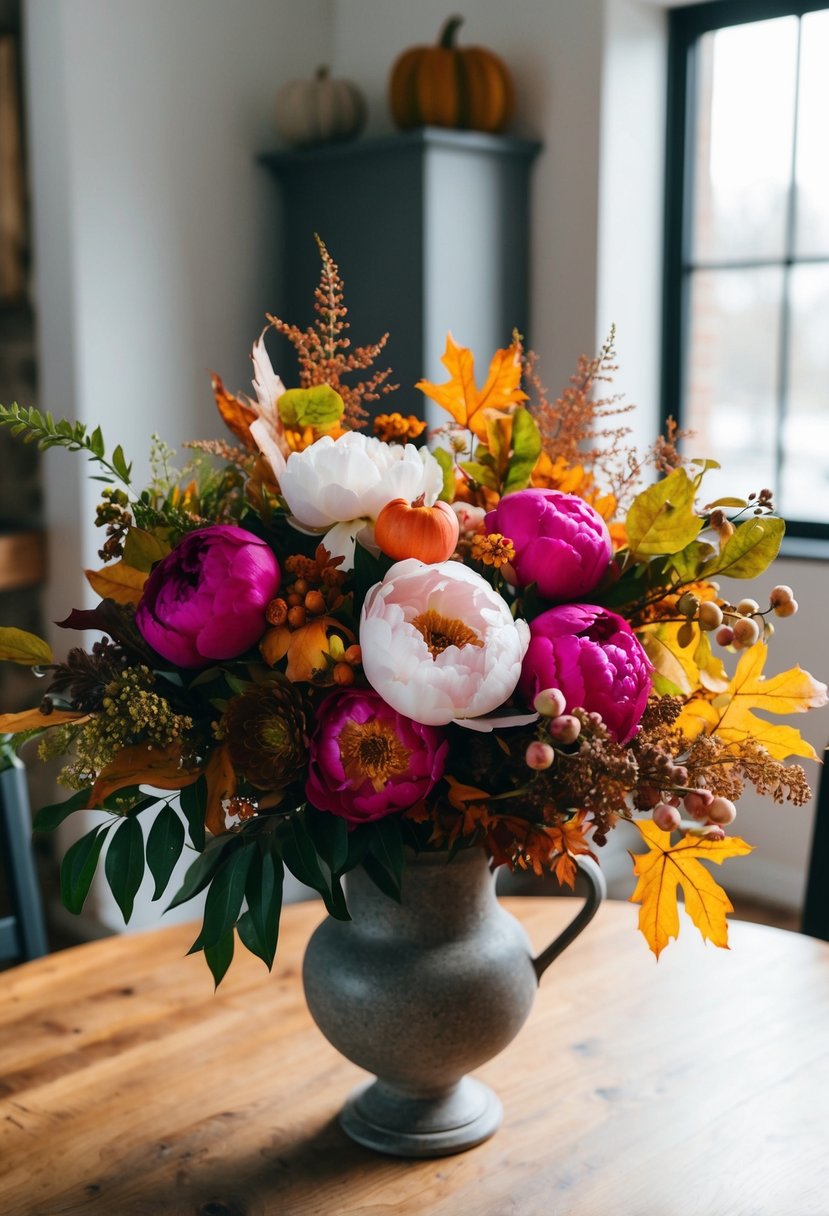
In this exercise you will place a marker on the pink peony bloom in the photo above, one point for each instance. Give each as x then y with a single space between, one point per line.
367 760
206 599
594 658
439 644
561 543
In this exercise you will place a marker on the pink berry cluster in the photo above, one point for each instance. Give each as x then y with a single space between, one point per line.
738 625
562 728
705 809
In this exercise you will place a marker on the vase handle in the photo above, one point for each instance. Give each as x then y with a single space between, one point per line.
596 893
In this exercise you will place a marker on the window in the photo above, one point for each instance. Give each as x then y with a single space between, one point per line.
746 343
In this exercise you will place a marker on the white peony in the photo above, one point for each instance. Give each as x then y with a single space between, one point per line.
340 486
439 644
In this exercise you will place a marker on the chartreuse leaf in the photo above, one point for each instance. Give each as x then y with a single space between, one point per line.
320 407
18 646
664 868
143 549
688 564
750 550
447 467
49 817
164 845
124 864
661 519
483 474
219 957
731 713
78 868
526 448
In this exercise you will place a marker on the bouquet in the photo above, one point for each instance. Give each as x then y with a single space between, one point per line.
322 648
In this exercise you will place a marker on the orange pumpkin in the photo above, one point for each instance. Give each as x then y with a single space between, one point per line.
414 530
447 86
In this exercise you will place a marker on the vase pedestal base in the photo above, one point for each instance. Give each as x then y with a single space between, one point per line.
380 1117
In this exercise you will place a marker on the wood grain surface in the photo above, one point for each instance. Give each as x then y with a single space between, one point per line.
698 1085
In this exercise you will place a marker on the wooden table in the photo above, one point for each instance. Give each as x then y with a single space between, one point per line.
697 1086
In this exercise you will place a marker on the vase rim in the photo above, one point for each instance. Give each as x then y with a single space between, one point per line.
441 857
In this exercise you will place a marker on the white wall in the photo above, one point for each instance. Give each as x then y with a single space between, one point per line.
154 228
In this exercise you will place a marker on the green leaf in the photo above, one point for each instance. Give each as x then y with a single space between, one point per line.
164 845
749 550
387 846
49 817
119 463
301 859
142 549
78 868
263 892
124 864
193 802
18 646
224 899
526 448
381 878
447 465
480 473
204 867
330 836
661 519
319 406
219 957
96 443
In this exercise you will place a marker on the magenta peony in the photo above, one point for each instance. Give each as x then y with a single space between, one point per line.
561 543
367 760
596 661
206 599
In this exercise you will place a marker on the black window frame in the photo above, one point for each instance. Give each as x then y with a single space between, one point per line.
685 27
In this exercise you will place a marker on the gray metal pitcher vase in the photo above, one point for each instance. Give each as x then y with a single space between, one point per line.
421 992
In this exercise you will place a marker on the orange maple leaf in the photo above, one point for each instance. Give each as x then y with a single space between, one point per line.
142 764
221 785
236 414
665 868
36 719
461 397
730 714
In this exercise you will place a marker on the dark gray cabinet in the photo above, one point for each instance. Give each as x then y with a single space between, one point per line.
430 230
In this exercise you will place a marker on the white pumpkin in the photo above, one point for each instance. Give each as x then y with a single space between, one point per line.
319 111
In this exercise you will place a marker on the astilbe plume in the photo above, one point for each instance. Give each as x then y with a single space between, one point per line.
324 350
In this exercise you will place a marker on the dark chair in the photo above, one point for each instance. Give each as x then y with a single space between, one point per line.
22 934
816 907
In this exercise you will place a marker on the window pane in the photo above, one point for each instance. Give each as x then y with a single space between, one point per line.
812 172
731 376
805 480
743 148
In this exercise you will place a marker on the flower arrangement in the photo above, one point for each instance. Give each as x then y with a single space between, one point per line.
330 647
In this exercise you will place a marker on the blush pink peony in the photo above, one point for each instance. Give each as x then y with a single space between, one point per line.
561 543
206 599
367 760
439 644
593 657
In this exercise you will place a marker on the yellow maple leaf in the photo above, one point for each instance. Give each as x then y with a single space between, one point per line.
461 397
665 868
118 582
731 716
